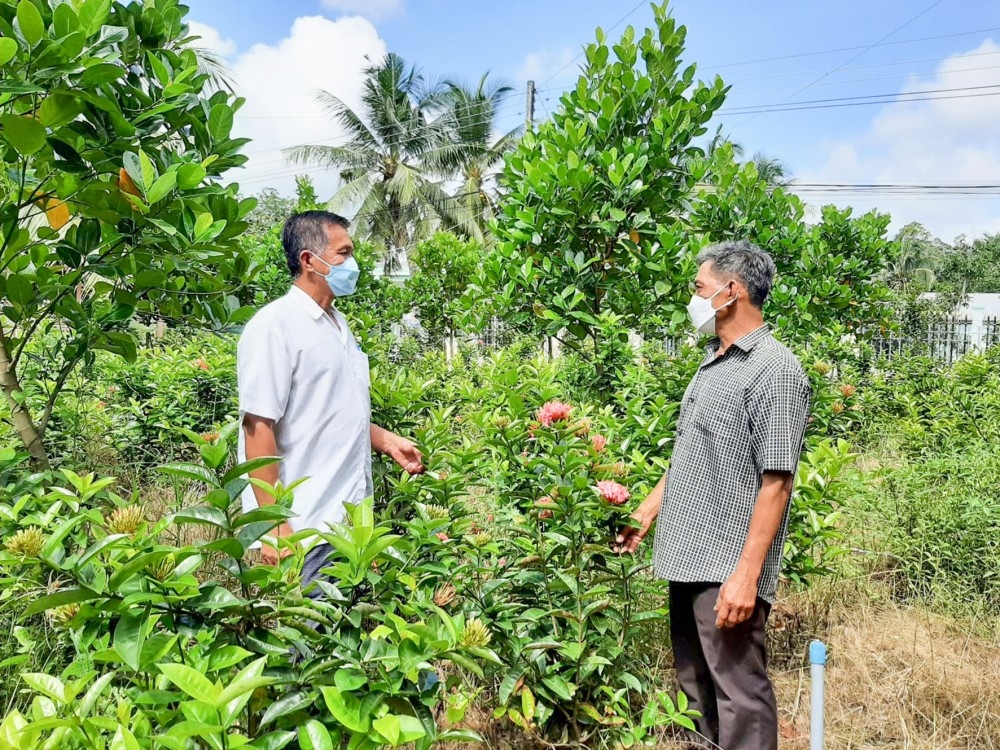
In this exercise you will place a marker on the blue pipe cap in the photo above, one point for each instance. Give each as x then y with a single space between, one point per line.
817 652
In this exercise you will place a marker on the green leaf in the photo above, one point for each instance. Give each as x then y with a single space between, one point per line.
58 109
193 472
314 736
8 48
190 176
97 548
124 740
59 599
94 693
226 657
509 683
20 291
562 689
202 514
162 187
192 682
130 634
148 172
137 563
286 705
350 679
272 741
55 541
345 708
94 14
399 729
25 134
220 122
30 21
247 467
47 685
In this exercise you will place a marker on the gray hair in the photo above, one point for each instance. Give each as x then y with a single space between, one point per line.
308 230
747 262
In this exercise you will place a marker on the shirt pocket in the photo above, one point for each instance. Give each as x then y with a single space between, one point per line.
719 413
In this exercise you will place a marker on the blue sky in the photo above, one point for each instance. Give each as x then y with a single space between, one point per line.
281 51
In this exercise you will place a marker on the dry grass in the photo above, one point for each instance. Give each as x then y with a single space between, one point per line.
899 678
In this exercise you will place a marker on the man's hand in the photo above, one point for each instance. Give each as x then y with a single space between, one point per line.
737 600
629 538
269 555
405 453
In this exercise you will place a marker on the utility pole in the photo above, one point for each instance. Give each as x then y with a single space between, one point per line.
529 120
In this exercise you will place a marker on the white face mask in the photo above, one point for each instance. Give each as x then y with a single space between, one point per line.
702 312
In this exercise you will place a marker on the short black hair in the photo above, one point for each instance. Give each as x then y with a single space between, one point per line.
308 231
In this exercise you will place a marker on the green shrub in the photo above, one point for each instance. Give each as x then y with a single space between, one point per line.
195 640
936 524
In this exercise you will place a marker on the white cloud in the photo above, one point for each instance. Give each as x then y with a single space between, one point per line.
211 39
540 66
279 83
375 9
953 140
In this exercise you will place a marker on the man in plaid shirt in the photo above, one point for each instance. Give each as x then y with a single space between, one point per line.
723 505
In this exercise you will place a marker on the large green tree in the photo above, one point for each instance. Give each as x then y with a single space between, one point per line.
831 275
111 203
591 234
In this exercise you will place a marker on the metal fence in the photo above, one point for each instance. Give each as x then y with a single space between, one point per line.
947 340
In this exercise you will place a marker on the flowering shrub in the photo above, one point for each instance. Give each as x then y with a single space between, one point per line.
566 611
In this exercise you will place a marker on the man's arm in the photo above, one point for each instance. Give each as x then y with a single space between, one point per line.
260 442
738 595
629 538
404 452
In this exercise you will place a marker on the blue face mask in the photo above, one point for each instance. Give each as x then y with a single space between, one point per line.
342 279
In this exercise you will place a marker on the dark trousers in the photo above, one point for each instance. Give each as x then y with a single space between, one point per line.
315 560
723 671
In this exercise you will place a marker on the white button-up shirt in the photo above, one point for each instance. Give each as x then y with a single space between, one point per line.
295 366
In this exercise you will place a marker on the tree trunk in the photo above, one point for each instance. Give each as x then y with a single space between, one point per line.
26 428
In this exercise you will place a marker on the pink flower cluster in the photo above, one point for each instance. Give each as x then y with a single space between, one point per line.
554 411
599 442
613 492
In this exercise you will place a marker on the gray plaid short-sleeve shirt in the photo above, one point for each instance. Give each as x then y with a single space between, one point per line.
743 414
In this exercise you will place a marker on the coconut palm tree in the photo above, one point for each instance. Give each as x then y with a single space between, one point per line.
771 170
472 118
394 161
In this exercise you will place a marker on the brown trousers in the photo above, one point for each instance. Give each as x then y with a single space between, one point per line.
723 672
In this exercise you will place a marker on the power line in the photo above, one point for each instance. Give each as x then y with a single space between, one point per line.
580 54
861 67
344 139
849 60
851 49
867 80
851 102
486 119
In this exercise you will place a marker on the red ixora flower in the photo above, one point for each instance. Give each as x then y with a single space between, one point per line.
554 411
442 536
599 442
200 364
613 492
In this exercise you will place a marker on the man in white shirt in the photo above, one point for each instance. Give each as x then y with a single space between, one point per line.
304 389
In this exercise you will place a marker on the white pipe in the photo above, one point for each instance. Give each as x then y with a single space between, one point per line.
817 660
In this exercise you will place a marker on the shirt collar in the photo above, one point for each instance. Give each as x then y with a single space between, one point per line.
302 298
750 340
744 343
